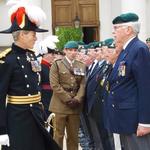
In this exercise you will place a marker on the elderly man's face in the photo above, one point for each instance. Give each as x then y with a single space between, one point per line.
27 39
92 53
148 44
120 33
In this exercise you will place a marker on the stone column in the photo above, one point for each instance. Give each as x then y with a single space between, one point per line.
138 7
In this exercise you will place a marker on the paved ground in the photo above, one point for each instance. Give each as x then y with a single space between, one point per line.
117 143
64 148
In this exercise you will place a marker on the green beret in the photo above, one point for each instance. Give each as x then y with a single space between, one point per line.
100 44
71 44
94 44
85 46
124 18
80 43
148 40
109 43
91 45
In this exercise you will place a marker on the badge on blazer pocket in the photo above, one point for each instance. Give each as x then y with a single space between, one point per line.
122 69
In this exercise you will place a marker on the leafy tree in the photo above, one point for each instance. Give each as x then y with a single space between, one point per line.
66 34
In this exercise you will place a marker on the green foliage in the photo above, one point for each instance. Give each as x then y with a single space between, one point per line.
66 34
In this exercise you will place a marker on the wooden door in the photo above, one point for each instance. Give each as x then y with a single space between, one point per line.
88 12
62 12
65 11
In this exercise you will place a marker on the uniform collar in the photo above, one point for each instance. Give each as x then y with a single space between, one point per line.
18 49
70 62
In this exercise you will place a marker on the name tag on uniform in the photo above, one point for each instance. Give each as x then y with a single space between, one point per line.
78 71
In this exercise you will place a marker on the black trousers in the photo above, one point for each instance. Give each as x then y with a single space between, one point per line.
26 128
132 142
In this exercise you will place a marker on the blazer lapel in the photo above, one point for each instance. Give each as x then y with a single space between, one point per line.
94 70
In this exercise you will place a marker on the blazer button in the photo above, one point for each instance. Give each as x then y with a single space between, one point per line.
31 105
28 85
112 93
113 105
18 57
25 76
102 100
22 66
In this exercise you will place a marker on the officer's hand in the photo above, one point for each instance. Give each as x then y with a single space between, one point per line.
76 101
4 140
141 130
72 103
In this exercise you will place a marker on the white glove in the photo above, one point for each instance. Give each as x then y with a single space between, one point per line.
4 140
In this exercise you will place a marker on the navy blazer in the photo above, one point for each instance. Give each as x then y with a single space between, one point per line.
93 82
129 100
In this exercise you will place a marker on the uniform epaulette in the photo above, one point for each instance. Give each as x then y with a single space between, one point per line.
4 52
80 61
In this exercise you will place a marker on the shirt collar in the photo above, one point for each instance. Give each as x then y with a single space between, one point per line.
70 62
127 43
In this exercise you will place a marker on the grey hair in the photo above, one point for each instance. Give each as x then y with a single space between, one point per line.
16 34
136 27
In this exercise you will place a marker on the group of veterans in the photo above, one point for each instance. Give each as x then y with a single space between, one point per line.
93 91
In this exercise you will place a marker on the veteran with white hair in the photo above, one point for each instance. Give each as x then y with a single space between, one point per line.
128 102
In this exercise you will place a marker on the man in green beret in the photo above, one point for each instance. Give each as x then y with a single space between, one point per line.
67 80
128 104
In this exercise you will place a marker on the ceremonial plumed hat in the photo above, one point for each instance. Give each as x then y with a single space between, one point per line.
48 45
109 43
25 16
125 18
71 44
59 52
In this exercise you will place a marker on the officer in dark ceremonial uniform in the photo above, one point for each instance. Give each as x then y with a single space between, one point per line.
47 51
67 80
46 91
22 121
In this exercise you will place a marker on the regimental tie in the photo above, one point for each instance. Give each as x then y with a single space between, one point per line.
89 70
